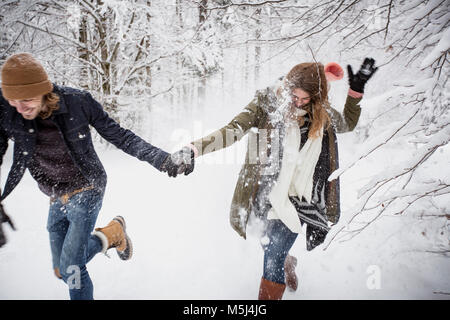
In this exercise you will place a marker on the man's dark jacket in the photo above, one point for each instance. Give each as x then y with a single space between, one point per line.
77 110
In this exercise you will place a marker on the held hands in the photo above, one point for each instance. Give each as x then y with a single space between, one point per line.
358 81
179 162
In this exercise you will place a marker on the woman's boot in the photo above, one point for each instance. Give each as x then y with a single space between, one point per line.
289 272
269 290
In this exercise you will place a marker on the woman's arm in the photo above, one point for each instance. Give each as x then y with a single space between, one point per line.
348 120
352 111
232 132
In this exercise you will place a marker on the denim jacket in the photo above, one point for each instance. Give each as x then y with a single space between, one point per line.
77 111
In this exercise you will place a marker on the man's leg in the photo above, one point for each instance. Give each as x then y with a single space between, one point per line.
57 226
79 245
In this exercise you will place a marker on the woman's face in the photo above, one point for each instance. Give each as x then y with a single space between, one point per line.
300 98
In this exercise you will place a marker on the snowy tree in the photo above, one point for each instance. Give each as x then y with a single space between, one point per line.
408 109
130 53
107 47
411 114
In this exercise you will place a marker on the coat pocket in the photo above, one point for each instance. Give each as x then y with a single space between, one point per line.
79 140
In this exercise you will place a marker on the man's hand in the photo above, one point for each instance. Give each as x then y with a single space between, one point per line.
179 162
358 81
4 218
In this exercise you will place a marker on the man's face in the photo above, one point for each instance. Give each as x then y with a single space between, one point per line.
28 108
300 97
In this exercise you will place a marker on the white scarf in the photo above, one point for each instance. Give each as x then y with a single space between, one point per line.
296 176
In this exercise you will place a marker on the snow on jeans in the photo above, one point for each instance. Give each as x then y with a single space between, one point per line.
72 245
281 239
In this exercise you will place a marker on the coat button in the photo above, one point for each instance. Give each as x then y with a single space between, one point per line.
31 130
25 153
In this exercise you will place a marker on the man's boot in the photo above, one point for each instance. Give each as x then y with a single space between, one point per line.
289 272
57 273
115 236
269 290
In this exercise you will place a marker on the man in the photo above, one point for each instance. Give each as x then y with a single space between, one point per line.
49 125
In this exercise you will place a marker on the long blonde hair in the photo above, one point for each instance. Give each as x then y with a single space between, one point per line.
310 77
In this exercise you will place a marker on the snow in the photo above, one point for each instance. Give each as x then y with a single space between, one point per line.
184 247
442 47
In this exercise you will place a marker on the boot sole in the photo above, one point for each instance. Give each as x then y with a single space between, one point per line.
128 252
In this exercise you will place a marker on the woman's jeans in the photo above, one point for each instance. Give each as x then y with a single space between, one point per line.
281 240
72 245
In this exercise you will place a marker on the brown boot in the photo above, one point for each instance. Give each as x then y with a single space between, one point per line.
289 272
114 236
269 290
57 273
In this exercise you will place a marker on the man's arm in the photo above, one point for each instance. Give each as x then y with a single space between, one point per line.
3 144
4 219
3 216
3 135
123 139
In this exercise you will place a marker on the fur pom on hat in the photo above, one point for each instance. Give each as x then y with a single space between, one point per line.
23 77
333 71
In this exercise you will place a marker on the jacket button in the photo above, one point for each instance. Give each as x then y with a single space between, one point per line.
25 153
31 130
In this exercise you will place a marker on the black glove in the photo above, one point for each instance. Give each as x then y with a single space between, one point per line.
4 218
358 81
179 162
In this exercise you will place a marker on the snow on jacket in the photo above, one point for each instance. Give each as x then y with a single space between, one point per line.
77 111
256 120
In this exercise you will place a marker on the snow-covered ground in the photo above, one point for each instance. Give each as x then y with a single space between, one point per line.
184 247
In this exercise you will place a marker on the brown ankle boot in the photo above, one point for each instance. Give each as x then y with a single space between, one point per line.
57 273
269 290
114 236
289 272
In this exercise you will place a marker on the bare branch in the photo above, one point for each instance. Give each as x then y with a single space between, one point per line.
339 172
243 4
388 20
76 43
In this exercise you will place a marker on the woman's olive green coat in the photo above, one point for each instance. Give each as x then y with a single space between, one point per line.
256 115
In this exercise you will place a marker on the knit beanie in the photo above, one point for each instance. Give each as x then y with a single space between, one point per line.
23 77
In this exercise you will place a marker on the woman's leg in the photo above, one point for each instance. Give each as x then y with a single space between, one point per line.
280 241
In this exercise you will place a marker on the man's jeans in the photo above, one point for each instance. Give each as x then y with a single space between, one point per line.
72 245
281 240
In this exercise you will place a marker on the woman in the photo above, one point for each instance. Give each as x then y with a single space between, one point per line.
289 159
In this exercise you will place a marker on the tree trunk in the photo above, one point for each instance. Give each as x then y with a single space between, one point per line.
257 47
202 81
83 54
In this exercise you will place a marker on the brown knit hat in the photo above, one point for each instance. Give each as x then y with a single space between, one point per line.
23 77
